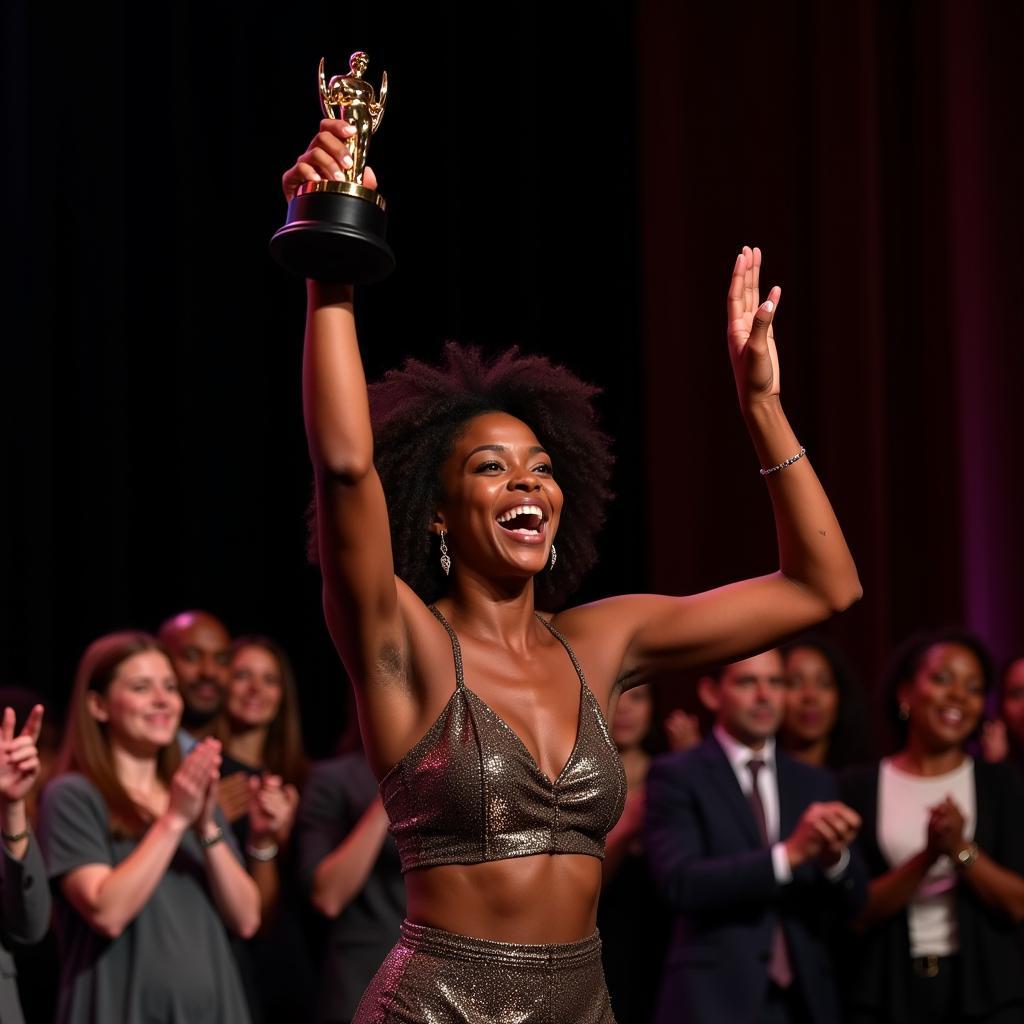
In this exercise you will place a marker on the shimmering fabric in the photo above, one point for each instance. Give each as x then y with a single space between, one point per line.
438 977
469 790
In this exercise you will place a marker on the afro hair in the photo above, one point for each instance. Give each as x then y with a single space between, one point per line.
418 412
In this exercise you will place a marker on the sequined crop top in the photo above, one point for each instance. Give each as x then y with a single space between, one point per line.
469 791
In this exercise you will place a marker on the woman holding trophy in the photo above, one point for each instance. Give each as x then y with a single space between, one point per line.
457 507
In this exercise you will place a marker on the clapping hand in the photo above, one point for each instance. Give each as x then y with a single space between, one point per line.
755 362
233 795
19 757
946 828
193 788
822 833
272 807
995 741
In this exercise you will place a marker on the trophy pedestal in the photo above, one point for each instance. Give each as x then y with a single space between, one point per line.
334 231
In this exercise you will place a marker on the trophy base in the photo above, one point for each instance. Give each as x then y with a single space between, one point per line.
334 231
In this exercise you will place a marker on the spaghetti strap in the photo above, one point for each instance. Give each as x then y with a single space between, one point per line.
460 678
553 630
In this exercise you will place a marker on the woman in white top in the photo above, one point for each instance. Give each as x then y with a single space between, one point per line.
943 838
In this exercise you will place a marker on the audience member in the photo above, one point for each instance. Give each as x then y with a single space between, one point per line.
1002 739
349 868
825 722
144 881
751 850
943 839
200 650
262 736
633 921
24 896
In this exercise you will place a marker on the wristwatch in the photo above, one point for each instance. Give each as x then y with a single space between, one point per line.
966 856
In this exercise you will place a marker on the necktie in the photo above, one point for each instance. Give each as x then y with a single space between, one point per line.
780 970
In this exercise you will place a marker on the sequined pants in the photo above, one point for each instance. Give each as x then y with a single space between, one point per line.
437 977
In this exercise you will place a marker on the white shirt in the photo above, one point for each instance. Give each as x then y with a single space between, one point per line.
904 807
740 756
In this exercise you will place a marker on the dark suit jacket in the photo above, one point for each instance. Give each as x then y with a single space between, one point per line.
710 863
991 952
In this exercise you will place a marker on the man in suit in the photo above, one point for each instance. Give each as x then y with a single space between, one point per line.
752 851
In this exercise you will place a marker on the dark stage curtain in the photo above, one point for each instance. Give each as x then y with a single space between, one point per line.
572 178
873 151
154 453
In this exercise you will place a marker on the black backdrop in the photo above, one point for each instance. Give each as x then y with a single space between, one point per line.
572 178
153 349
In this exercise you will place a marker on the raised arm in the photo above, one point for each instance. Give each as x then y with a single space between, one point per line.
25 896
816 576
353 536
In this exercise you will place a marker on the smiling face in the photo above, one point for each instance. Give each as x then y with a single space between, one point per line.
142 706
945 698
201 649
812 697
501 504
256 688
749 697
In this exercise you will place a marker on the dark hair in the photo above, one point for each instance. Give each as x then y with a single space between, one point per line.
850 742
905 661
284 754
1004 676
418 412
86 747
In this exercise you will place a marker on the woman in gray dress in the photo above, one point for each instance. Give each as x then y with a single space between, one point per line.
145 877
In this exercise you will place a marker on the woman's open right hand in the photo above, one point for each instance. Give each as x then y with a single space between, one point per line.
325 159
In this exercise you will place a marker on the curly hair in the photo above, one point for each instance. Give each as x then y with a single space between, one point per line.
908 657
418 412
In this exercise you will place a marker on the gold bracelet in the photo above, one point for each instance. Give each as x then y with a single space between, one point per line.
967 856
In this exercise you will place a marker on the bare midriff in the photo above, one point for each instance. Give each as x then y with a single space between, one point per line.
545 898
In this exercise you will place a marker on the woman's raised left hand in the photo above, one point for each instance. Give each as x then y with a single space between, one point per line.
755 362
19 757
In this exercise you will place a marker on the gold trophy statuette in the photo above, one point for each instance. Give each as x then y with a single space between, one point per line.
334 230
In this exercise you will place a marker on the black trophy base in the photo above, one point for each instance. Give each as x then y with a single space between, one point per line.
334 236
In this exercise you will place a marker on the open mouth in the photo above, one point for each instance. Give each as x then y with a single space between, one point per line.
524 520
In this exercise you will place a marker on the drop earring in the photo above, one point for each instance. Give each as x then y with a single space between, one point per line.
446 562
554 558
904 712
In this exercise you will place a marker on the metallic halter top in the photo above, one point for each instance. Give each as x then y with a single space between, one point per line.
469 791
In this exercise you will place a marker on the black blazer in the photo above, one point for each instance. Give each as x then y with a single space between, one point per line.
991 953
335 796
709 861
